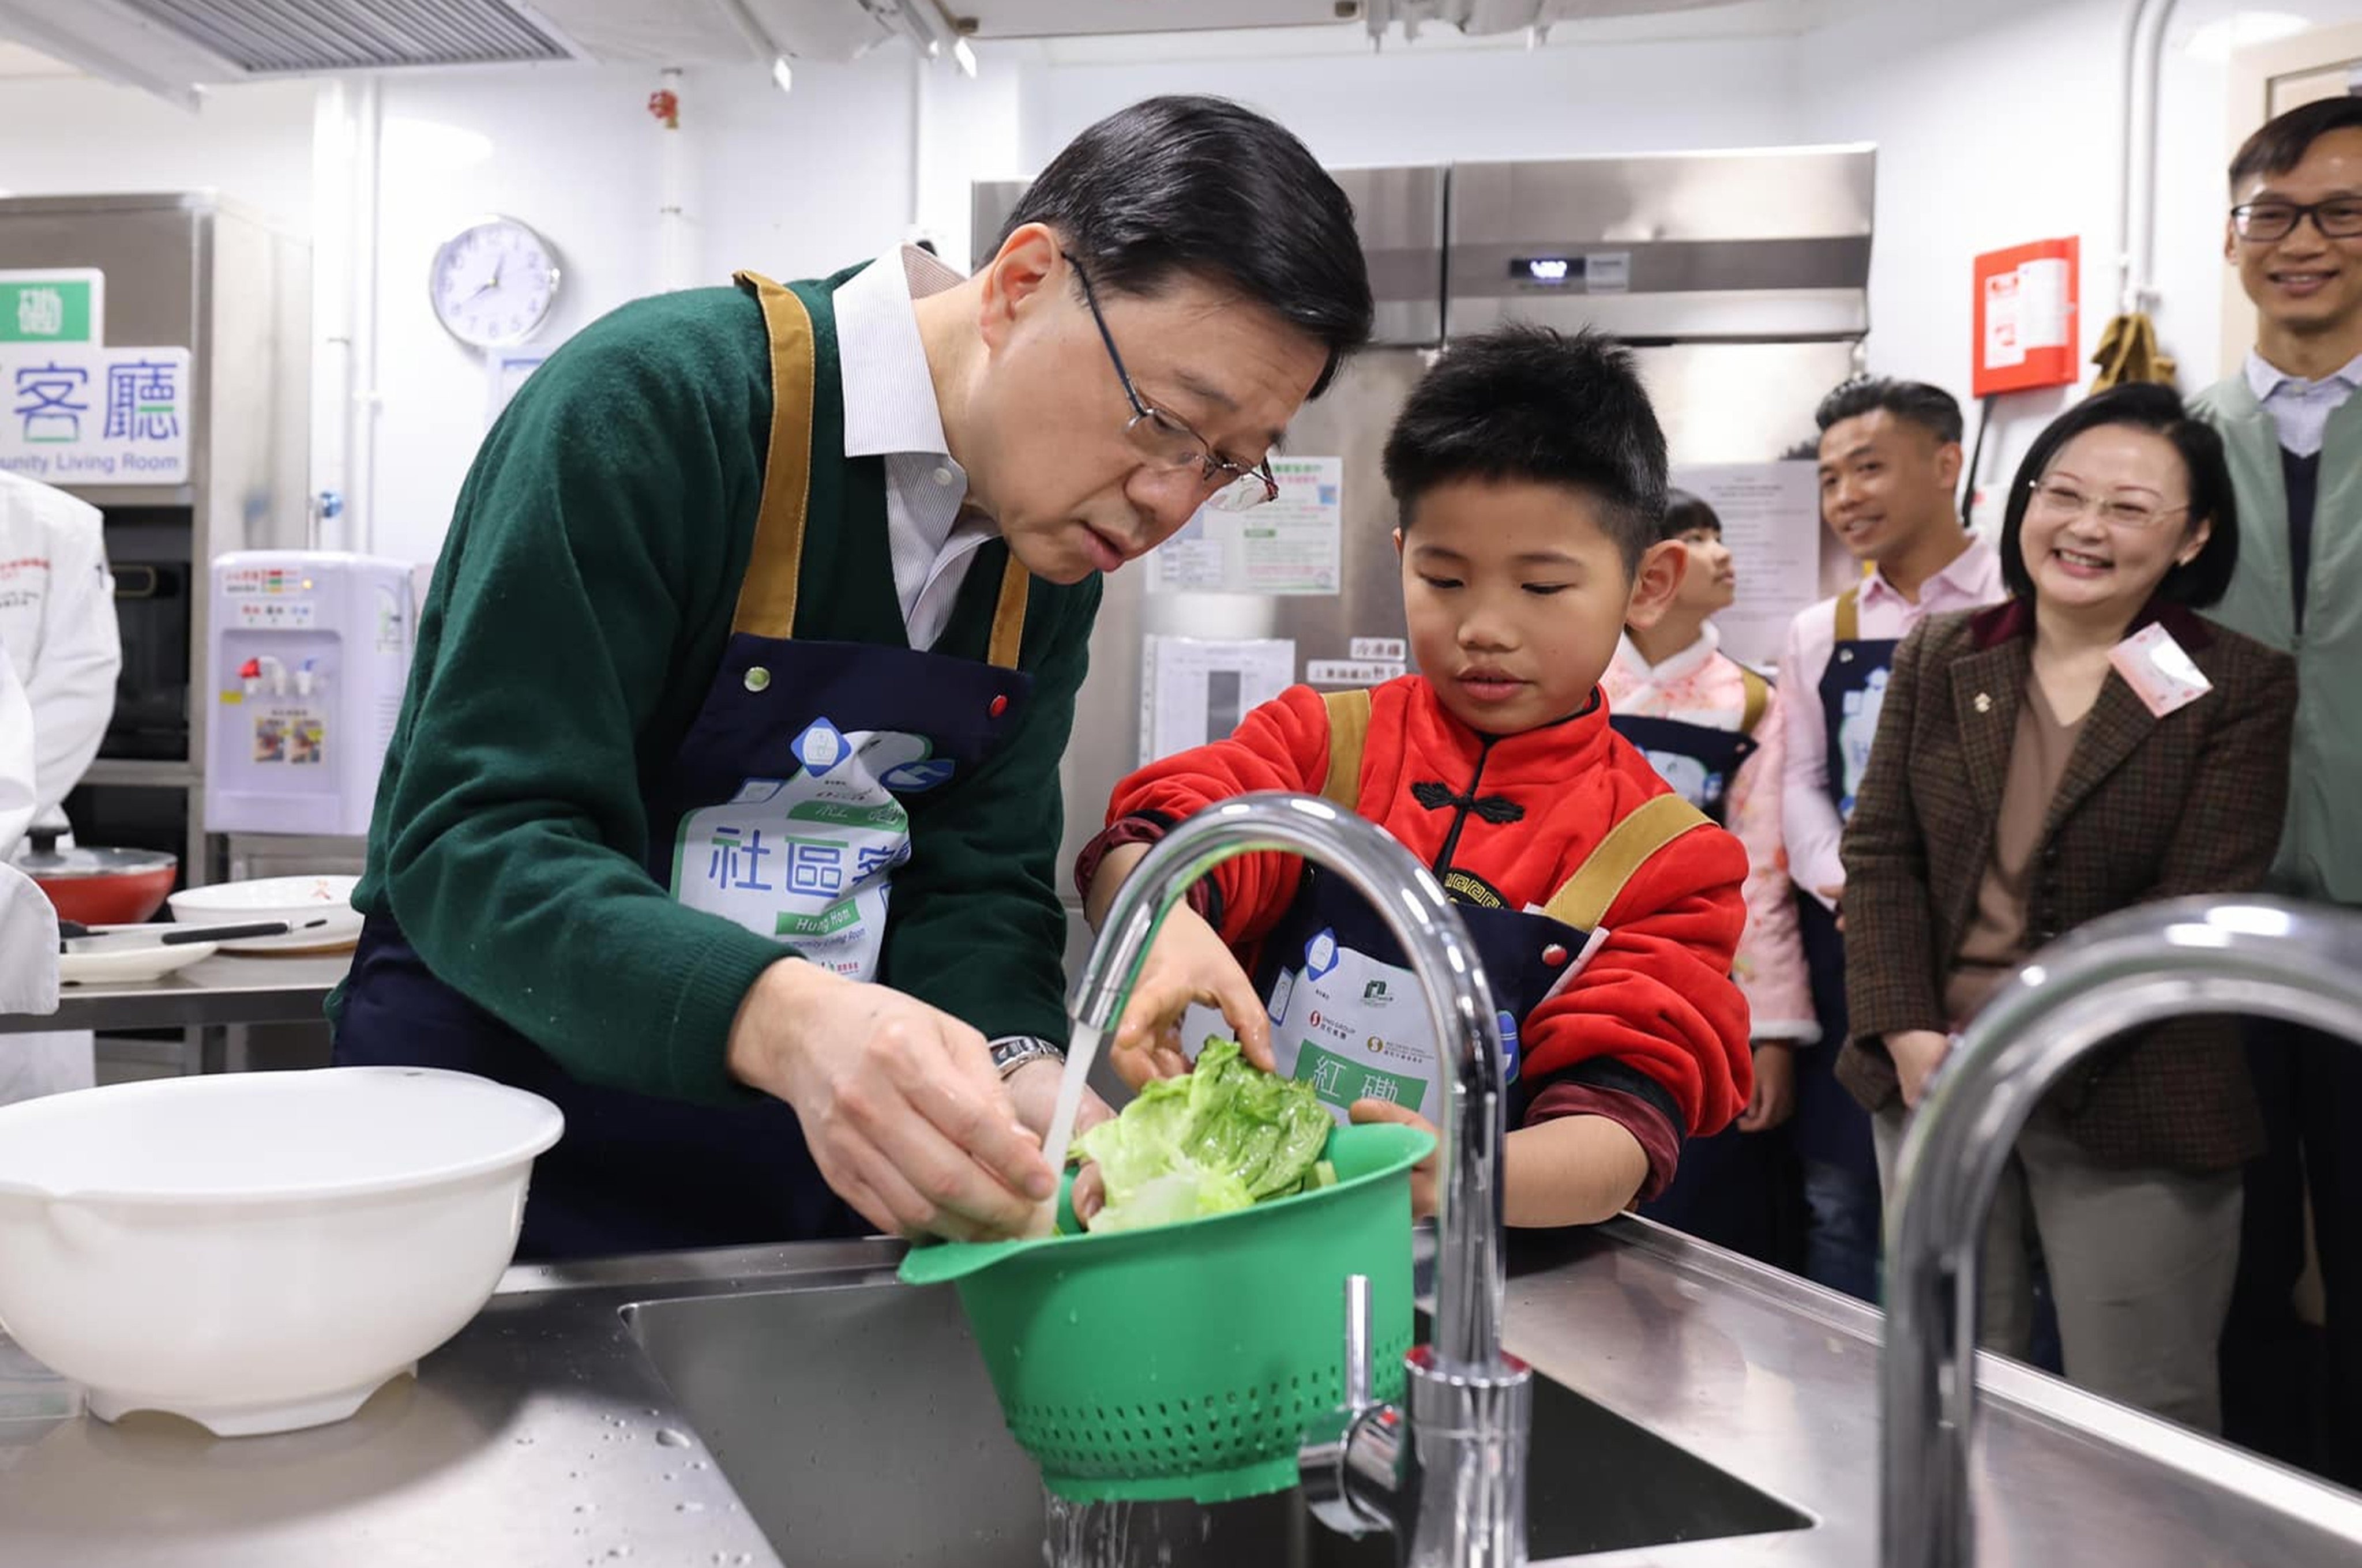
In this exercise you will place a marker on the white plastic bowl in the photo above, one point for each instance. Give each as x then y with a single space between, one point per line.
295 900
259 1251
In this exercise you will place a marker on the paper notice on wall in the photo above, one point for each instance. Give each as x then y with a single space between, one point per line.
1772 522
1351 672
1291 545
1194 691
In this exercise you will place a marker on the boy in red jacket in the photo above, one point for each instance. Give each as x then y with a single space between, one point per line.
1528 473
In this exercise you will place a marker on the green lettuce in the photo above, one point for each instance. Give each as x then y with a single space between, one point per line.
1222 1138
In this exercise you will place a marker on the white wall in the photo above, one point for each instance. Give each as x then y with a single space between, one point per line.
1996 121
70 136
1421 104
2001 124
789 184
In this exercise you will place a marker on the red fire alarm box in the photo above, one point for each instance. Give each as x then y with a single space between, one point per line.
2026 330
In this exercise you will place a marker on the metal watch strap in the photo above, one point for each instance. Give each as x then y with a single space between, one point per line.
1011 1051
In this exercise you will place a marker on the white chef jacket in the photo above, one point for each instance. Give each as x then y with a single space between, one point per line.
29 925
57 622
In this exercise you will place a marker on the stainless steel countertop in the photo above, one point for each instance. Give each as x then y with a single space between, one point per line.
543 1435
227 988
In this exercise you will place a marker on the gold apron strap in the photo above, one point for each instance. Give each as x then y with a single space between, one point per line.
1759 696
1850 615
1009 616
1349 727
766 598
1596 884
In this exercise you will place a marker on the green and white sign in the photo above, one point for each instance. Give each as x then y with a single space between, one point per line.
53 304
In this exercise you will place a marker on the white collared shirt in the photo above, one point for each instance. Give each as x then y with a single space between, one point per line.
1807 816
890 412
2302 408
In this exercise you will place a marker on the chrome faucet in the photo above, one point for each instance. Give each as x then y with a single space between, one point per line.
2189 955
1450 1480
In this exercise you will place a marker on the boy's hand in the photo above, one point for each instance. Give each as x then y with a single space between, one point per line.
1422 1174
1188 965
1775 1088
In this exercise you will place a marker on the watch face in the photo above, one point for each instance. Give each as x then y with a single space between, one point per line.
494 283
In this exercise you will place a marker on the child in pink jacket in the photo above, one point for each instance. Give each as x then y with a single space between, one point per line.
1712 729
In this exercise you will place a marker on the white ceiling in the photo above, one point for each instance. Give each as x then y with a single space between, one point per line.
161 45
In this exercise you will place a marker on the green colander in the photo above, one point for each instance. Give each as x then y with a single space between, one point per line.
1186 1361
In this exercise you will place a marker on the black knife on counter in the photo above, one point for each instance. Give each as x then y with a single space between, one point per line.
75 937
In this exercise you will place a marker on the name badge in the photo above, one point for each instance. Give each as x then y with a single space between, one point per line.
2157 669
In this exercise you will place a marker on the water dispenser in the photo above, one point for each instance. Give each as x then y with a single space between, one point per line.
309 652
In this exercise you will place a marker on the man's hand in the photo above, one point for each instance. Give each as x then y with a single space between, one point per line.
899 1104
1034 1090
1917 1053
1774 1099
1835 894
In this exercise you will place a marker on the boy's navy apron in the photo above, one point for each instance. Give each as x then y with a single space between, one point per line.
779 812
1726 1188
1349 1015
1832 1130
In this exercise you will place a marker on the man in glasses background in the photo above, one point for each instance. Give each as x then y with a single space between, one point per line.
723 801
2292 427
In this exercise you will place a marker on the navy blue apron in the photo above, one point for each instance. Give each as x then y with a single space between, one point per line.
782 811
1724 1190
1831 1128
1698 760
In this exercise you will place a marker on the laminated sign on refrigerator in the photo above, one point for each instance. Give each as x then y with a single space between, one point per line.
79 414
1193 690
1290 545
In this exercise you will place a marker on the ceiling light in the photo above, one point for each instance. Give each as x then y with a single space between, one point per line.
964 58
783 75
2216 40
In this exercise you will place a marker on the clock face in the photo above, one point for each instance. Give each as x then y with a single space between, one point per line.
492 283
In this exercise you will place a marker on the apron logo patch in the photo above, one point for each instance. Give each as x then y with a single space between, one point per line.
1321 955
916 778
820 747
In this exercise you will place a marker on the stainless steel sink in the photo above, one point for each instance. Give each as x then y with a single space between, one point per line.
858 1426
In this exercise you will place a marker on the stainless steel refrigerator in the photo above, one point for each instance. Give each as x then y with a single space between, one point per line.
1739 280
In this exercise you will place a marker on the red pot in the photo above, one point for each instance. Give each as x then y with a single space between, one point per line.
96 887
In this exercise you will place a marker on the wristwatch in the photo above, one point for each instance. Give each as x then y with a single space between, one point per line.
1011 1051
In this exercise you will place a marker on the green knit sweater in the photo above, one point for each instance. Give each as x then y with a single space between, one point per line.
577 613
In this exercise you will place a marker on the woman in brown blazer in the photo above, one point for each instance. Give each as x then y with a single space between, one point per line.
2020 786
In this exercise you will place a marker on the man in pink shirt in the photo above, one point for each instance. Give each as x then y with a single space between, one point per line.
1889 466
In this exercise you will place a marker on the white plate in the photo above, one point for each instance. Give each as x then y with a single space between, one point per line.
292 898
129 964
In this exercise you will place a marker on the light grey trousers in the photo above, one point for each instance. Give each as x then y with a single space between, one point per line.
2141 1263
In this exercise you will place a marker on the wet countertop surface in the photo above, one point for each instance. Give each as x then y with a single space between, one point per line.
794 1405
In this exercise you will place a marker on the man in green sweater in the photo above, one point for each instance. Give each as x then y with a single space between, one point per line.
2291 426
724 803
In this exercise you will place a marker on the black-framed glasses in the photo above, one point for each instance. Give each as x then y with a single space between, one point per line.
2340 217
1171 445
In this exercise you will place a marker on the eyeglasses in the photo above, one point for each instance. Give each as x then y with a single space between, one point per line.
1171 445
2058 502
2340 217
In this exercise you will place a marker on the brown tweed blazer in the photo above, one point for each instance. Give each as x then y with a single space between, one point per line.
2149 808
